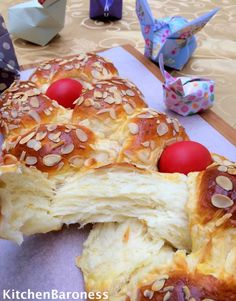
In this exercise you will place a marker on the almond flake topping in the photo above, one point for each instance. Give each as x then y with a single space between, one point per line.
224 183
148 294
35 116
231 171
81 135
27 138
67 149
133 128
51 160
222 168
221 201
128 109
109 100
130 92
162 129
158 285
76 161
40 136
34 144
51 127
34 102
54 136
167 296
30 160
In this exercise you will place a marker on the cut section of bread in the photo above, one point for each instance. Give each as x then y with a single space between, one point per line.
107 194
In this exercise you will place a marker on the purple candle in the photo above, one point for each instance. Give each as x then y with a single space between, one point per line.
106 9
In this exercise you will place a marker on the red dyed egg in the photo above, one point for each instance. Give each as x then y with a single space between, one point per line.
65 91
184 157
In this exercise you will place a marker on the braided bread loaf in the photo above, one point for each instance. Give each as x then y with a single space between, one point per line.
97 163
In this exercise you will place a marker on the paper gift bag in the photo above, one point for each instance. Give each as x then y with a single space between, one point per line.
37 21
9 68
172 36
106 9
186 95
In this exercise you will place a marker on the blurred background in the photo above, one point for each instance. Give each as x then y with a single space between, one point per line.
214 58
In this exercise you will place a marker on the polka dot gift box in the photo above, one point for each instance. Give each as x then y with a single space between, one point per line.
187 95
9 68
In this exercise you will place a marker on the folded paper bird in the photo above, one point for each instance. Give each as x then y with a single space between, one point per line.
9 67
37 21
186 95
171 36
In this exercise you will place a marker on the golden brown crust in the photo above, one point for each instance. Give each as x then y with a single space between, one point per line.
184 286
149 132
217 181
84 67
51 147
23 106
109 102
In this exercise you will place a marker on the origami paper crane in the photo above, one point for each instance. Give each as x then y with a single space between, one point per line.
186 95
37 21
106 9
171 36
9 68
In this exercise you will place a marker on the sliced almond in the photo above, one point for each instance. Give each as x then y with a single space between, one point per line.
97 94
34 144
51 160
162 129
76 161
187 293
224 182
128 109
130 92
51 127
221 201
30 160
35 116
34 102
109 100
227 163
168 288
40 136
167 296
231 171
222 168
148 294
96 74
176 125
158 285
22 156
27 138
133 128
54 136
81 135
146 143
67 149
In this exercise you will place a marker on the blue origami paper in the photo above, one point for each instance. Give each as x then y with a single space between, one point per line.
37 21
9 67
171 36
106 9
